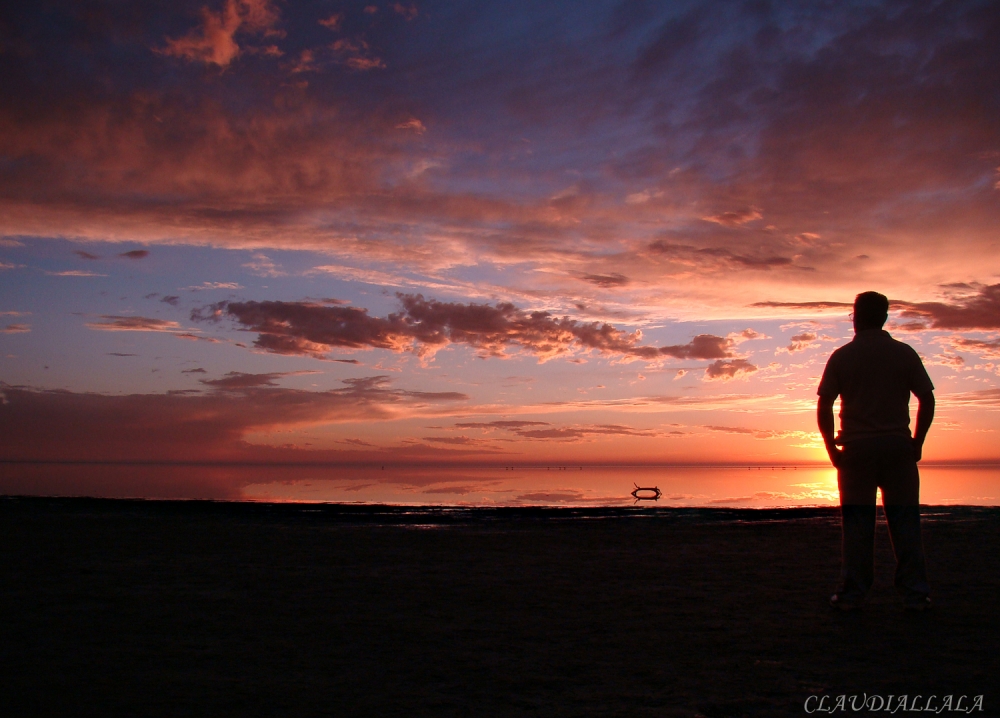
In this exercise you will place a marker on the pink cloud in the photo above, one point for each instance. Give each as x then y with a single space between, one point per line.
735 219
333 21
213 42
718 256
113 323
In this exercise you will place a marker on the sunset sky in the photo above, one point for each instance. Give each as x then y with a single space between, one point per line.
487 232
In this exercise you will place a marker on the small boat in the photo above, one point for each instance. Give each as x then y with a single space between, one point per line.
646 493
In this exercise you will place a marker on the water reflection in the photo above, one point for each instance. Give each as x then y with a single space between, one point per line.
762 487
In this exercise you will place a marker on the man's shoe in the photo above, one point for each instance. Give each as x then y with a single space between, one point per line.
922 603
842 602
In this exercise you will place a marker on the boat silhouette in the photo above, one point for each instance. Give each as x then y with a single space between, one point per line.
653 493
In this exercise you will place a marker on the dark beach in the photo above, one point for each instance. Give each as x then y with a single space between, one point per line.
116 607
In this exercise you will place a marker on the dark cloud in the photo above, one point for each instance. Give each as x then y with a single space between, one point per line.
606 280
85 255
801 342
197 370
718 255
171 299
135 254
755 433
579 432
531 430
734 219
973 307
121 354
512 424
979 310
237 380
984 398
16 329
68 426
425 325
980 347
808 306
454 440
732 369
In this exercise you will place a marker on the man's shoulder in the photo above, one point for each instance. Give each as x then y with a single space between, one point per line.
901 347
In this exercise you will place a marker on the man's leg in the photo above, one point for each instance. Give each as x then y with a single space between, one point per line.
857 481
901 499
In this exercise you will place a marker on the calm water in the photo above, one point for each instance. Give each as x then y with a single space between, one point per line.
763 487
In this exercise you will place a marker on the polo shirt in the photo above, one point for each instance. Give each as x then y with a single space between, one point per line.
874 375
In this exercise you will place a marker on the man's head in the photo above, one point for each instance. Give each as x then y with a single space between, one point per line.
871 309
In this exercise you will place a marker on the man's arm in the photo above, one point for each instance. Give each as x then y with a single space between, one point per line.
824 417
925 415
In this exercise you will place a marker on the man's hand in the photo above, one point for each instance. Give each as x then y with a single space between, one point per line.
836 454
824 417
925 415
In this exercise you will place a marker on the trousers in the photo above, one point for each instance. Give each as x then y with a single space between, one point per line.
887 463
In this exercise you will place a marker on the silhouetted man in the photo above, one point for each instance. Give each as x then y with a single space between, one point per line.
874 375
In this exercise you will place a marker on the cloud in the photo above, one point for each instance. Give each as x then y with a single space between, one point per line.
213 42
807 306
15 329
75 273
984 399
426 325
978 310
57 425
262 265
135 254
407 11
800 342
356 54
212 285
456 440
580 432
732 369
171 299
718 255
713 113
85 255
606 281
332 22
114 323
735 219
988 348
759 433
412 124
536 430
237 380
509 424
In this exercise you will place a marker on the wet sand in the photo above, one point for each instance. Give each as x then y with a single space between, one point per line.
196 608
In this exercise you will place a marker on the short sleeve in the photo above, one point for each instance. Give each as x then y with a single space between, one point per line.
829 385
920 382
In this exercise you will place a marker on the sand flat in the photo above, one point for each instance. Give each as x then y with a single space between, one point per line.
200 608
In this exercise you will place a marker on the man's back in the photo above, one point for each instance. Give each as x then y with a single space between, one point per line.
874 375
